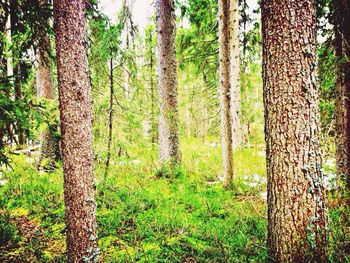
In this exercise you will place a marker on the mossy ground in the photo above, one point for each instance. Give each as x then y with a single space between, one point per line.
145 218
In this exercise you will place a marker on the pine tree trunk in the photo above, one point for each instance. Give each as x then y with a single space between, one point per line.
296 195
234 74
76 130
169 150
110 116
3 68
224 72
342 113
49 146
17 61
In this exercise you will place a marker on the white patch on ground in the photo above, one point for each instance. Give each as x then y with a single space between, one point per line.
264 195
262 153
214 144
2 181
330 163
330 181
254 180
30 160
129 162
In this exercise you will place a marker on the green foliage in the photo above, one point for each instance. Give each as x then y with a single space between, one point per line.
8 230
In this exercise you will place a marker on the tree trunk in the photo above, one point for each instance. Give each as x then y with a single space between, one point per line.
76 130
296 195
342 114
169 152
3 69
224 71
153 116
110 116
233 17
49 147
17 61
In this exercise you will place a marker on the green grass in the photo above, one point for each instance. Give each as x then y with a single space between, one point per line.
145 218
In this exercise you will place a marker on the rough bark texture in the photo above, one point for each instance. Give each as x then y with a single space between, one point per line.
234 73
169 149
342 114
76 130
224 72
49 147
296 195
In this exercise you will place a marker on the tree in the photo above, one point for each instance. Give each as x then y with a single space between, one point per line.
169 148
225 91
296 195
49 149
76 130
235 89
17 63
342 115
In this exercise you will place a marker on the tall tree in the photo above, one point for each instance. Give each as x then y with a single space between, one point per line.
225 91
17 63
296 194
169 148
233 16
3 76
76 130
342 115
49 149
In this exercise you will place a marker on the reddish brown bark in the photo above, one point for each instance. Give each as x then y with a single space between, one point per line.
296 194
76 130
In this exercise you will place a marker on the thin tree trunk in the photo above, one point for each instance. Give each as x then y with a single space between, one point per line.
169 149
296 194
110 117
49 146
153 118
342 114
3 68
76 130
235 87
16 60
224 71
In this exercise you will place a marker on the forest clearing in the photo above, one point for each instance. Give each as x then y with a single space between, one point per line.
174 131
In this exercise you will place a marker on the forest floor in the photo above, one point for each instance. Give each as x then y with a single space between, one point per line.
142 217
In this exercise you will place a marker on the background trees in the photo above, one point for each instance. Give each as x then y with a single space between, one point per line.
189 217
342 50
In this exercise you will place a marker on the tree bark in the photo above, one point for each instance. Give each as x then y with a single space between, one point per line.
233 17
17 62
225 100
76 130
169 150
49 146
110 116
3 68
342 113
296 194
151 65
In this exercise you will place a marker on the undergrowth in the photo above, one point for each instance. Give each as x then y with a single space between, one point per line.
142 217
